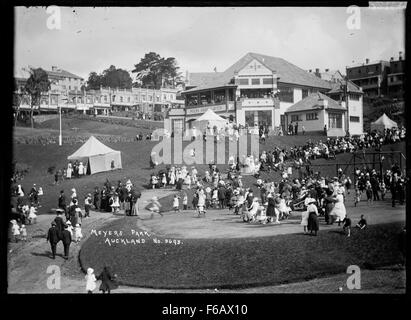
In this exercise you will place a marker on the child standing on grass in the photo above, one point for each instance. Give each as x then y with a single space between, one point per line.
23 232
176 203
347 226
77 233
15 230
368 191
304 220
32 215
362 224
90 281
357 196
87 205
383 190
185 201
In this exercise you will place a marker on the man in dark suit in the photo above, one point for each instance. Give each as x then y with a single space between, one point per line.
221 196
66 238
59 222
62 202
53 238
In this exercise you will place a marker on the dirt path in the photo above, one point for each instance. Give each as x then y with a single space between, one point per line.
28 262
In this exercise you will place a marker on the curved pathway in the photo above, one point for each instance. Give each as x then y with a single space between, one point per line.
28 262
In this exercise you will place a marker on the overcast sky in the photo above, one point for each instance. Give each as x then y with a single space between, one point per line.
91 39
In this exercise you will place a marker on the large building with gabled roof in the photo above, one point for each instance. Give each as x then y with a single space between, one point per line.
256 90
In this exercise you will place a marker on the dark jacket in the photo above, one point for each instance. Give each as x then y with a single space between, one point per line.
66 237
59 225
107 280
62 201
52 235
221 193
271 207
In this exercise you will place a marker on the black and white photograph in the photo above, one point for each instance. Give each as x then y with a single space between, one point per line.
208 150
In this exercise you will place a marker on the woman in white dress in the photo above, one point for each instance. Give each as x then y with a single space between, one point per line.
81 169
172 176
339 212
69 171
252 211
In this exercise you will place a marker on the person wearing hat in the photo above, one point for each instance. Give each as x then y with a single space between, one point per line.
312 225
66 238
87 205
53 238
62 202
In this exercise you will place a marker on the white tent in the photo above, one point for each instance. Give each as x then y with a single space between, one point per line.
382 123
98 156
209 118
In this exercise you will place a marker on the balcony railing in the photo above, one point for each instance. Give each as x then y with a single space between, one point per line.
257 102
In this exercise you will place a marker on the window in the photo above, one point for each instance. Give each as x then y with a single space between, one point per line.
335 120
305 93
354 119
243 81
164 97
143 97
121 99
255 81
286 94
354 96
311 116
295 117
69 87
64 87
158 98
75 88
150 98
268 80
105 98
128 99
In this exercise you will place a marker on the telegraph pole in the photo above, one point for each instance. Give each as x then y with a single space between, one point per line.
346 100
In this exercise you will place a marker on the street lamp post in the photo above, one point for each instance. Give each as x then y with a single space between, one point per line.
346 100
60 132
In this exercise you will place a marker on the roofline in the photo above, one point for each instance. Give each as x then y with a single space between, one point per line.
211 88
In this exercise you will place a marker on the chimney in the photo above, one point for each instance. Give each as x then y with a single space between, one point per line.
326 70
310 70
54 68
367 61
317 72
187 77
400 56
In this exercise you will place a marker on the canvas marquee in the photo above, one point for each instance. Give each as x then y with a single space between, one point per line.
98 156
382 123
209 118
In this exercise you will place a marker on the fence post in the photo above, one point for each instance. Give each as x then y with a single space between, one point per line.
400 154
373 160
380 165
355 176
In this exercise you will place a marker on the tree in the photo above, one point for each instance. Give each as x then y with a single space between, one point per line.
36 84
155 72
111 77
94 81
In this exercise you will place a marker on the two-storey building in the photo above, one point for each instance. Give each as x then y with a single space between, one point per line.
371 77
256 90
395 78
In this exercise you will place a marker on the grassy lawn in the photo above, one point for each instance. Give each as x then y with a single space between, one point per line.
236 263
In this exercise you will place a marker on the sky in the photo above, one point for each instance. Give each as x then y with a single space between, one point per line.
201 39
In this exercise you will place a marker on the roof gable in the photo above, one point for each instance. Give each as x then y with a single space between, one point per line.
286 71
313 102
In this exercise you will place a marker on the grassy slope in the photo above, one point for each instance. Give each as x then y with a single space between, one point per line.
231 263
